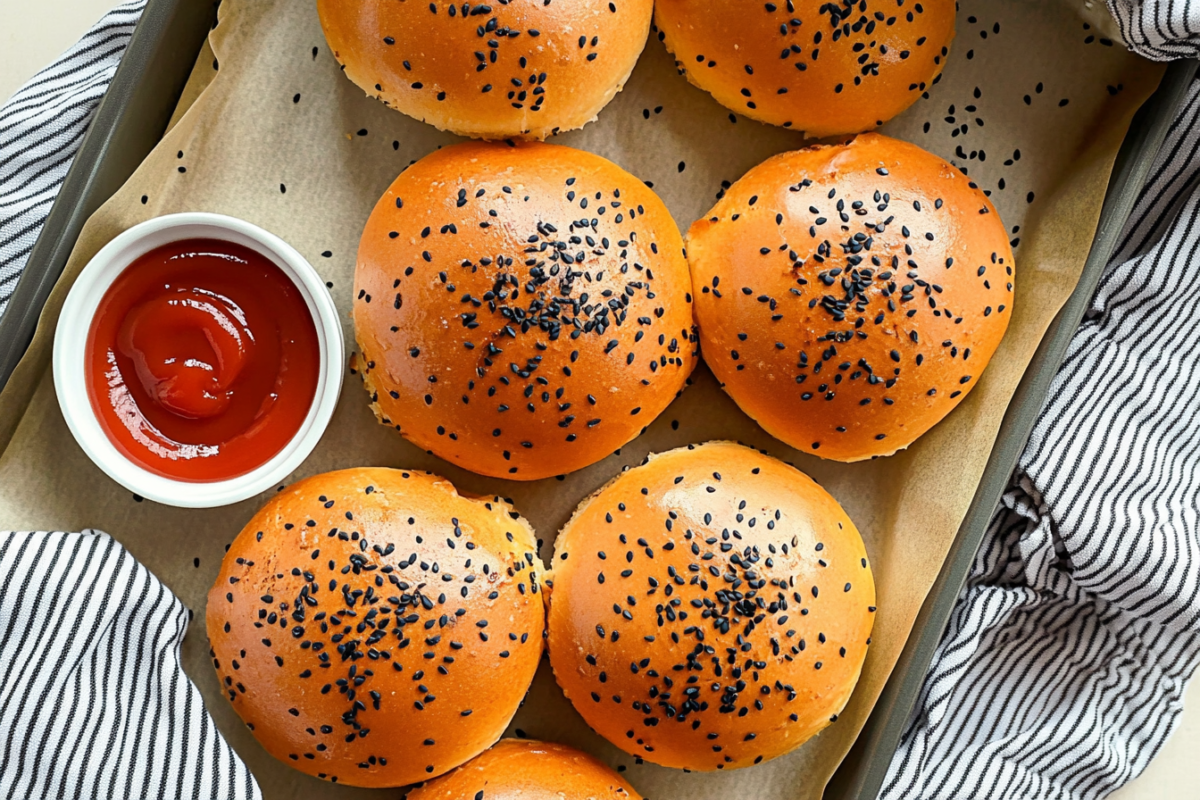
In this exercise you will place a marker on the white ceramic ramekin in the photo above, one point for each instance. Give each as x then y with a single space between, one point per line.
70 352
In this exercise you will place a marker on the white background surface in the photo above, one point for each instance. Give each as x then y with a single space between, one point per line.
34 32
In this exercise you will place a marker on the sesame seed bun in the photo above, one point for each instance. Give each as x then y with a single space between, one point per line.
492 71
522 311
823 68
850 296
374 627
710 609
527 770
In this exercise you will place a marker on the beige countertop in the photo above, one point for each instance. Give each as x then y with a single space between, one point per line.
32 34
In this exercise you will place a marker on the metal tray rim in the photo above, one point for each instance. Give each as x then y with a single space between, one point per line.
106 156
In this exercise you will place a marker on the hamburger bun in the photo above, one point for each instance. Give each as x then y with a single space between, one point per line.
492 71
374 627
849 296
823 68
522 311
710 609
526 770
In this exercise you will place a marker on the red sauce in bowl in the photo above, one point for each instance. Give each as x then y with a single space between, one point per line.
202 360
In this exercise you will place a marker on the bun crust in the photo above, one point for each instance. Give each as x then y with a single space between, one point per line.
527 770
710 609
526 312
343 590
823 68
849 296
524 68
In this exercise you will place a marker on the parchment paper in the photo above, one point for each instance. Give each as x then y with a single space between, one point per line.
277 136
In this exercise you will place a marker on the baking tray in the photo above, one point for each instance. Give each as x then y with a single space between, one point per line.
135 113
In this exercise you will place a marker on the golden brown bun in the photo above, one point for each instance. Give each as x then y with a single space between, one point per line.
823 68
710 609
525 770
848 331
543 365
303 625
525 68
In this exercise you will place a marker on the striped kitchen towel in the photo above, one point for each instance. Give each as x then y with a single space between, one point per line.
1064 666
93 701
41 128
1162 30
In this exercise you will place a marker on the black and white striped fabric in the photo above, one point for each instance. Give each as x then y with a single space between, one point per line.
1064 667
93 702
41 127
1162 30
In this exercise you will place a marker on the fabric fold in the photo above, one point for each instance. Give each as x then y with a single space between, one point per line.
94 702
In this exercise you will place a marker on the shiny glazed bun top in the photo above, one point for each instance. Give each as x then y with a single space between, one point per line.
527 770
521 311
374 627
505 69
710 609
850 296
821 67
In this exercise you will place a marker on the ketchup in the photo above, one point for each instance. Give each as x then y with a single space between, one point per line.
202 360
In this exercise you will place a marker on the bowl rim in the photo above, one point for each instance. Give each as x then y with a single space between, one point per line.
70 357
